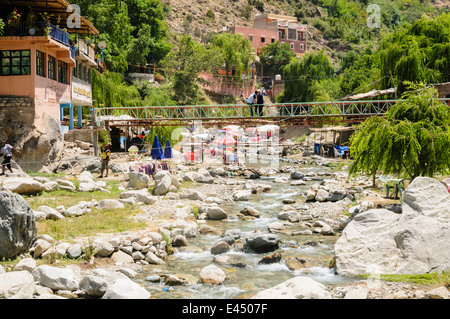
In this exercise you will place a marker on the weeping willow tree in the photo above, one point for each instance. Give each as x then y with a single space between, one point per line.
110 90
418 53
236 52
412 140
299 76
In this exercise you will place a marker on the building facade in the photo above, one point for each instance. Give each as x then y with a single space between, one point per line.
269 28
37 63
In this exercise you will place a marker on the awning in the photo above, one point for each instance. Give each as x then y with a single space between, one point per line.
55 7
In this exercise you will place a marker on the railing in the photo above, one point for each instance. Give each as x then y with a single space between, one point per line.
40 29
86 49
275 111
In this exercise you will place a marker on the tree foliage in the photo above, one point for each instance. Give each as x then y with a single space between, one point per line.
185 64
418 52
412 140
300 74
275 56
236 52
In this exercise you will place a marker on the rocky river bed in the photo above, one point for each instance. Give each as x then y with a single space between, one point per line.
234 233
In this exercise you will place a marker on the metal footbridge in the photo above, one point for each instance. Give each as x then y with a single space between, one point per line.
282 114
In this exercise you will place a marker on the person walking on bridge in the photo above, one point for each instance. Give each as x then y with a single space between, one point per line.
259 103
251 101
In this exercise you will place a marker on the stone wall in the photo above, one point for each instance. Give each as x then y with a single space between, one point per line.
38 145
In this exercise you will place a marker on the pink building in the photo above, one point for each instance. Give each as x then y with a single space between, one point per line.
269 28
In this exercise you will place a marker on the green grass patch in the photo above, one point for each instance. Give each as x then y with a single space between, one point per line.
95 222
432 279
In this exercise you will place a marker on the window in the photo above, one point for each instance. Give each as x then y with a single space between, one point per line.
301 47
51 67
62 72
40 63
263 39
16 62
273 40
250 37
292 46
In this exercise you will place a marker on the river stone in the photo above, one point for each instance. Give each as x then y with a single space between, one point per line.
51 186
138 180
322 195
163 181
110 204
357 292
120 257
220 248
243 195
16 285
295 288
93 286
212 275
125 288
215 213
17 225
74 251
438 293
153 259
179 241
27 264
250 211
23 185
103 249
270 259
55 278
50 212
296 175
263 242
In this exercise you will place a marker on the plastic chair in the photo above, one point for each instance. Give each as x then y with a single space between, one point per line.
324 152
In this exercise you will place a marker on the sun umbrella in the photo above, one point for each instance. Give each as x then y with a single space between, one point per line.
157 151
232 128
168 150
234 133
227 140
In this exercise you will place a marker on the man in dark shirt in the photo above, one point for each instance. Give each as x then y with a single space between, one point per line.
260 103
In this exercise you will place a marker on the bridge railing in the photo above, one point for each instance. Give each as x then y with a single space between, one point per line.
242 111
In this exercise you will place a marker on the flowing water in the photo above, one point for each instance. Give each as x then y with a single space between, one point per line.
247 277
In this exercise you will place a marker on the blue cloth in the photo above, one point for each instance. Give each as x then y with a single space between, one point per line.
168 150
157 150
341 149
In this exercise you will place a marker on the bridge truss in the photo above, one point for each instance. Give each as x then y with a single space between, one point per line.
283 114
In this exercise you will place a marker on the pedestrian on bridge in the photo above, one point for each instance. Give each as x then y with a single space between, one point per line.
251 101
259 103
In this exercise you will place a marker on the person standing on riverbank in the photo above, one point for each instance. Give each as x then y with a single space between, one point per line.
106 153
6 151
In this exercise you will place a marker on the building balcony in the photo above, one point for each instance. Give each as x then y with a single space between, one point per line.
85 52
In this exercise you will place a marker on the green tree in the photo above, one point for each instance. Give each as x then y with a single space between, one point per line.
419 52
236 52
412 140
185 64
276 55
300 74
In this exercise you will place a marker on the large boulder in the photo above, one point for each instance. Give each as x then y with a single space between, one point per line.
17 225
125 288
55 278
23 185
212 275
138 180
379 240
163 181
16 285
295 288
